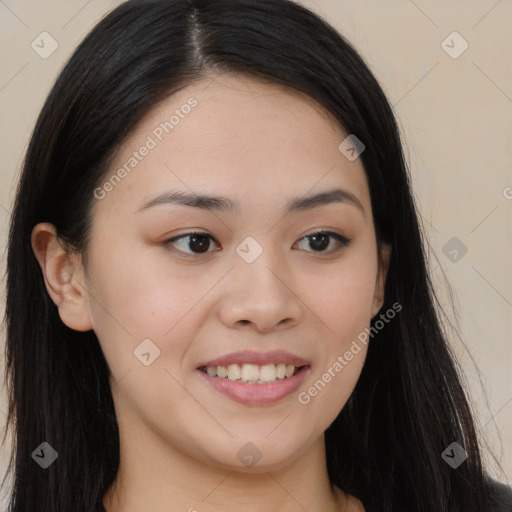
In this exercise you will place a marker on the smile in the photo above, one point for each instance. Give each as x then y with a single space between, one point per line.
252 373
255 391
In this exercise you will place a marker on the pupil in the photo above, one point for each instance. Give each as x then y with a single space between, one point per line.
325 239
202 245
317 242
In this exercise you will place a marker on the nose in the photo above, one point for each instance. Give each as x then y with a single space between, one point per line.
261 296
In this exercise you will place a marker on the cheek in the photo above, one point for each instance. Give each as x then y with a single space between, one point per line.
328 391
343 303
342 297
130 301
137 314
342 300
131 288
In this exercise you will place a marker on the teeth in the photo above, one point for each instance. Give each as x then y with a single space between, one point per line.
234 372
249 372
252 373
268 373
222 372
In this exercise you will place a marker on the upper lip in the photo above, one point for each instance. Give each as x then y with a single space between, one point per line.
257 358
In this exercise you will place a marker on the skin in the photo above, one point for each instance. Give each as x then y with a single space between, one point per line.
260 144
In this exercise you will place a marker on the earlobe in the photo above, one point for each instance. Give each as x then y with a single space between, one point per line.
63 277
380 284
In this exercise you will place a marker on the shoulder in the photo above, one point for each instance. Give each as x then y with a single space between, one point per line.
500 496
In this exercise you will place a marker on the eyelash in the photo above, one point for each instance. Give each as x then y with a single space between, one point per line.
341 240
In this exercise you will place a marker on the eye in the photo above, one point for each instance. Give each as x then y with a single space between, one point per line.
320 241
198 242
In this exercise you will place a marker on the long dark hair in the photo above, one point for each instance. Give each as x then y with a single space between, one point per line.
408 406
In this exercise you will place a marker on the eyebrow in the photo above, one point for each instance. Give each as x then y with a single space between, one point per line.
222 203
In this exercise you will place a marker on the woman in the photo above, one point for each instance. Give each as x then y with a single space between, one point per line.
215 191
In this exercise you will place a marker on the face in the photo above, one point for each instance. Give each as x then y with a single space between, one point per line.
268 275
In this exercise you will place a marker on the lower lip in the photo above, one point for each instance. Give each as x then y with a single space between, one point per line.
257 394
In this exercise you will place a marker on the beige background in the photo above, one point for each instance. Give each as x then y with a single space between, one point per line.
456 119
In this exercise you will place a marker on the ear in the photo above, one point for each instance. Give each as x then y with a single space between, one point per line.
63 277
380 283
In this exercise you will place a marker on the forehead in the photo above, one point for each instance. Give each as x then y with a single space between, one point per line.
236 136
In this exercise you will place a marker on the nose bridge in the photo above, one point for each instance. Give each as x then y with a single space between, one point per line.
261 293
256 265
262 278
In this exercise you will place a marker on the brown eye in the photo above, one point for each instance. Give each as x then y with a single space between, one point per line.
321 240
198 243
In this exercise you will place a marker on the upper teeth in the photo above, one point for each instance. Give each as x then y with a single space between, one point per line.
252 373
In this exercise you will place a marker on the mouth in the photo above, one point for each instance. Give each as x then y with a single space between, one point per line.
256 386
255 378
252 373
